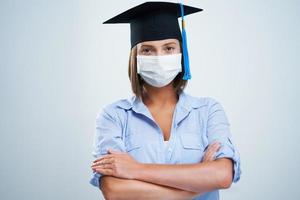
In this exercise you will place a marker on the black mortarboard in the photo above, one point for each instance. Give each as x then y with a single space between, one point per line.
153 21
157 21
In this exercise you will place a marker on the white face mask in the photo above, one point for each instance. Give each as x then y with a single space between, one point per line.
159 71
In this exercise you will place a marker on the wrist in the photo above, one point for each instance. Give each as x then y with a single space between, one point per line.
139 171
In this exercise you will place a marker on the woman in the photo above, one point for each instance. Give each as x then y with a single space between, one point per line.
162 143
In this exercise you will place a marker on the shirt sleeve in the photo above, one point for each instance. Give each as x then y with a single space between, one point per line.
108 135
218 129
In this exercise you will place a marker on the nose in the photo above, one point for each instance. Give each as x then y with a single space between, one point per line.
160 52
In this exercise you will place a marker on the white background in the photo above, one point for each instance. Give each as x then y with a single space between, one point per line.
60 66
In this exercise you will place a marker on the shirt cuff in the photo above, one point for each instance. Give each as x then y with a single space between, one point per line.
227 150
95 179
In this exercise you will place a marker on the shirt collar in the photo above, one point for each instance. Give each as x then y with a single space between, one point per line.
136 104
184 105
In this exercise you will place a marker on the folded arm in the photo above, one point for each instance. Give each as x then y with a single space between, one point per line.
123 189
198 178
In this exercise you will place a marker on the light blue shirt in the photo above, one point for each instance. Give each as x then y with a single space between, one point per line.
127 125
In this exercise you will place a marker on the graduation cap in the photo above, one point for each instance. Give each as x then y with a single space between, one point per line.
157 21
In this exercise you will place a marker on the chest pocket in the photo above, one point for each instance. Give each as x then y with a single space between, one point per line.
192 147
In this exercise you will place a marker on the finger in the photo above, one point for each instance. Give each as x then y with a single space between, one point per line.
114 152
104 171
210 148
211 144
214 147
100 158
104 166
103 157
108 166
103 161
211 154
210 151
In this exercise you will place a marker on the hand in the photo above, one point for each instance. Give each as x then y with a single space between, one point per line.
211 152
117 164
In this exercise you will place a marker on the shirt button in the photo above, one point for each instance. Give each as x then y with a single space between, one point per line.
170 149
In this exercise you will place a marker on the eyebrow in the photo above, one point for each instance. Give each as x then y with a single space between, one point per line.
169 43
148 45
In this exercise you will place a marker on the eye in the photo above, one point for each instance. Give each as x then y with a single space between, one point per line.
146 51
170 49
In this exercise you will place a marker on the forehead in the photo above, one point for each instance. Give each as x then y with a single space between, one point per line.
158 42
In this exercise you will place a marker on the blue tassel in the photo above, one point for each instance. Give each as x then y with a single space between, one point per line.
186 62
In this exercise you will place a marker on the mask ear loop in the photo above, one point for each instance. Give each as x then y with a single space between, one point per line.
186 62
